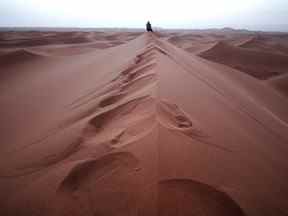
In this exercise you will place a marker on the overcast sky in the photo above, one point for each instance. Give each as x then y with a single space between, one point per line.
257 14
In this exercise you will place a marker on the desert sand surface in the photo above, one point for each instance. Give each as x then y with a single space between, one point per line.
132 123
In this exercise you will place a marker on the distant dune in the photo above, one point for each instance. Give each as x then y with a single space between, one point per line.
261 65
17 56
264 44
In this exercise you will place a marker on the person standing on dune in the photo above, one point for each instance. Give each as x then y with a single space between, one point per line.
149 27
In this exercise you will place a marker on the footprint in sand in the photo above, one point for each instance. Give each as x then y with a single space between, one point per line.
186 197
173 118
105 186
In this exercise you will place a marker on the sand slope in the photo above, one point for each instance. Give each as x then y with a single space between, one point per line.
280 83
261 65
143 128
264 44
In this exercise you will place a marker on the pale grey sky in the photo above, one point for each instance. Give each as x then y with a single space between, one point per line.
257 14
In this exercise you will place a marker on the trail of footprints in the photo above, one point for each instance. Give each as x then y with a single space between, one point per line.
127 110
124 111
129 113
124 101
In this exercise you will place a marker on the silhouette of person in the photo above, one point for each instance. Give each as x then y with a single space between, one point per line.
149 27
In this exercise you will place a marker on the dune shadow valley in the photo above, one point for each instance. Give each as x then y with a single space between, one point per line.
111 122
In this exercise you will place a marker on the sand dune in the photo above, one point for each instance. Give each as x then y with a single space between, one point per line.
280 83
18 56
63 43
261 65
142 128
262 44
26 39
194 43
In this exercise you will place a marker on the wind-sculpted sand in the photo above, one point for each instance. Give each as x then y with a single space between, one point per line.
13 58
139 126
261 65
188 197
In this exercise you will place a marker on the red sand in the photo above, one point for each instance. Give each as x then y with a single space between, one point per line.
142 128
259 64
